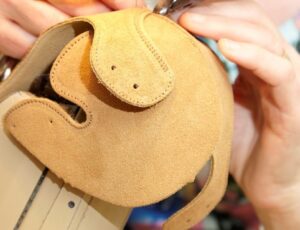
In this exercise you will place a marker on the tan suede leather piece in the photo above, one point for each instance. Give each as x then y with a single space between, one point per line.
122 153
151 79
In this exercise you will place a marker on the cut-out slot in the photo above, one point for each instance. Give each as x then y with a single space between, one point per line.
41 87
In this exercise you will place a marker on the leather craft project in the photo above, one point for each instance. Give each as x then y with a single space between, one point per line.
158 107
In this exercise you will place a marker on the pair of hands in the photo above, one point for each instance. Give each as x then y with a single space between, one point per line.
266 146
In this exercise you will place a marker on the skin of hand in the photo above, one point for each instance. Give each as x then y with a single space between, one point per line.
266 146
22 23
279 10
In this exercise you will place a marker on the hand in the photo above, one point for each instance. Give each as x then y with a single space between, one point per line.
266 145
281 11
22 22
85 7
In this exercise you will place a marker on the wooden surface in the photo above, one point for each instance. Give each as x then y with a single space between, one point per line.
32 198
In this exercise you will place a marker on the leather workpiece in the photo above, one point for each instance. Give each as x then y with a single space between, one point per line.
158 107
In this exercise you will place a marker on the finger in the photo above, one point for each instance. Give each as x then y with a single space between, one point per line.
235 10
79 10
121 4
14 41
34 16
275 71
72 2
270 68
217 27
293 56
281 12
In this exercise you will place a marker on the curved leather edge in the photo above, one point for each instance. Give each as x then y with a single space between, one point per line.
152 85
41 56
216 184
205 201
141 76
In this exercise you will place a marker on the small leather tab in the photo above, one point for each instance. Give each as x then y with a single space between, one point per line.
140 76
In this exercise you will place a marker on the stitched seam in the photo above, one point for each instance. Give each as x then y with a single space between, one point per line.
151 48
148 44
44 103
64 92
118 93
107 83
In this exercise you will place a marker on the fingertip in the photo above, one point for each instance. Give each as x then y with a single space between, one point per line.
229 48
191 20
228 45
20 50
14 42
182 18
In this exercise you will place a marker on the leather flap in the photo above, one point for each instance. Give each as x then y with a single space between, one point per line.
140 76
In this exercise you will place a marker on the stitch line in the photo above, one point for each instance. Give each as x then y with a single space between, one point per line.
107 83
54 76
45 103
117 92
61 27
148 43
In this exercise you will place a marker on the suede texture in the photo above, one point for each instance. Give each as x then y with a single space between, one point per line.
158 107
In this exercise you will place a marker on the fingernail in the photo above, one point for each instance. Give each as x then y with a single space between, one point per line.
196 18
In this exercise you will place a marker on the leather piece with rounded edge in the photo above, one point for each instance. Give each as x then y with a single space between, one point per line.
128 155
150 81
41 56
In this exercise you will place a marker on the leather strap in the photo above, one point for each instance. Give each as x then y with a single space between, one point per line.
205 201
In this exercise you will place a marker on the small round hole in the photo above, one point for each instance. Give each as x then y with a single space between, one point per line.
135 86
51 121
71 204
113 67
